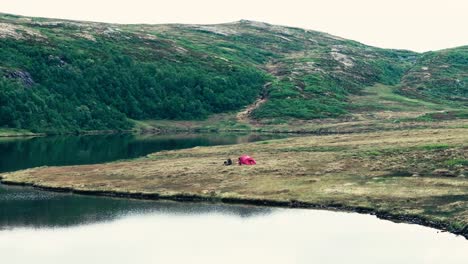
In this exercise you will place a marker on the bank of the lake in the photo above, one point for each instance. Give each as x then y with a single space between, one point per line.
228 123
416 176
35 223
28 152
10 132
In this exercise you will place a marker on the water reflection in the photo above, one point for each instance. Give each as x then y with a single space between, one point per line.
44 227
28 207
72 150
214 236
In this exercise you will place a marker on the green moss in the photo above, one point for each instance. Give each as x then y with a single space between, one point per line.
434 147
313 149
455 162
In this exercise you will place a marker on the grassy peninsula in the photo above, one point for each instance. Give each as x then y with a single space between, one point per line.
391 126
414 175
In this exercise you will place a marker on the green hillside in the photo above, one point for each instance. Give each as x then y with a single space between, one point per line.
58 75
439 76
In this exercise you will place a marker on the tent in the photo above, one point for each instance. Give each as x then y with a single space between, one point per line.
246 160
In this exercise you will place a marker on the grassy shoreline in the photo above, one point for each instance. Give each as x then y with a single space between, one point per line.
5 132
416 176
399 218
385 119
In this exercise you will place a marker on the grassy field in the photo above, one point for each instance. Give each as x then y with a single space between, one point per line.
384 98
406 175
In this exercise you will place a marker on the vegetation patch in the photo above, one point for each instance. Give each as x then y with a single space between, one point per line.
96 76
456 162
313 149
434 147
316 171
439 76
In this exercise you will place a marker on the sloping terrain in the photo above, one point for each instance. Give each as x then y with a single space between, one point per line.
439 76
58 75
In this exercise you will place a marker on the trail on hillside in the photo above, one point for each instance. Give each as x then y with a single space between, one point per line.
244 115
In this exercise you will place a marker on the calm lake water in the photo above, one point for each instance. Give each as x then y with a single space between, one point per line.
22 153
45 227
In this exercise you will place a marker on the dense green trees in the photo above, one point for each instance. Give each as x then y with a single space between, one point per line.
70 76
77 87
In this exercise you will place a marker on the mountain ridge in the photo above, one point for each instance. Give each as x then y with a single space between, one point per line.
92 76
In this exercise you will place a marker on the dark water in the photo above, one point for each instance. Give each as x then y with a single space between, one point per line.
20 153
48 228
29 207
45 227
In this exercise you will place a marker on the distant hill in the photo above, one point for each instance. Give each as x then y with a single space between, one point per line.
58 75
440 75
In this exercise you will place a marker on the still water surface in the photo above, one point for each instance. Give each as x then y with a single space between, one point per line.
44 227
22 153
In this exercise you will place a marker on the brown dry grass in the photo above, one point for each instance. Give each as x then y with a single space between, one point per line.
393 171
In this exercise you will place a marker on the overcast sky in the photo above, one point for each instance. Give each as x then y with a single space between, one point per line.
419 25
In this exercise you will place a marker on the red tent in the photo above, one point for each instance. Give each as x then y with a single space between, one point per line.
246 160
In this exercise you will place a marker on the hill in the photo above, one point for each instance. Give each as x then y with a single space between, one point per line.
59 75
441 75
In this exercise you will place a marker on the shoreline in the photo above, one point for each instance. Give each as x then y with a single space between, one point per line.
181 197
344 127
413 176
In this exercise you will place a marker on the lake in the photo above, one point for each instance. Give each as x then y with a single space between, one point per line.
22 153
47 227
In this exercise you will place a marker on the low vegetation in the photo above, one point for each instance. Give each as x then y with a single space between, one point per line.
409 175
440 76
61 76
16 133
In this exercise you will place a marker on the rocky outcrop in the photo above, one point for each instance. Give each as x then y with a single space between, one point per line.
23 76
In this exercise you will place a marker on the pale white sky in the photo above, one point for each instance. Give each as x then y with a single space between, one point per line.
419 25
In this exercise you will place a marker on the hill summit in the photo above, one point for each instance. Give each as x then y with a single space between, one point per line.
59 75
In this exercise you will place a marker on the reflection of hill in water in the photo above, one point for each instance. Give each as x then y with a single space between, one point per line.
27 207
71 150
